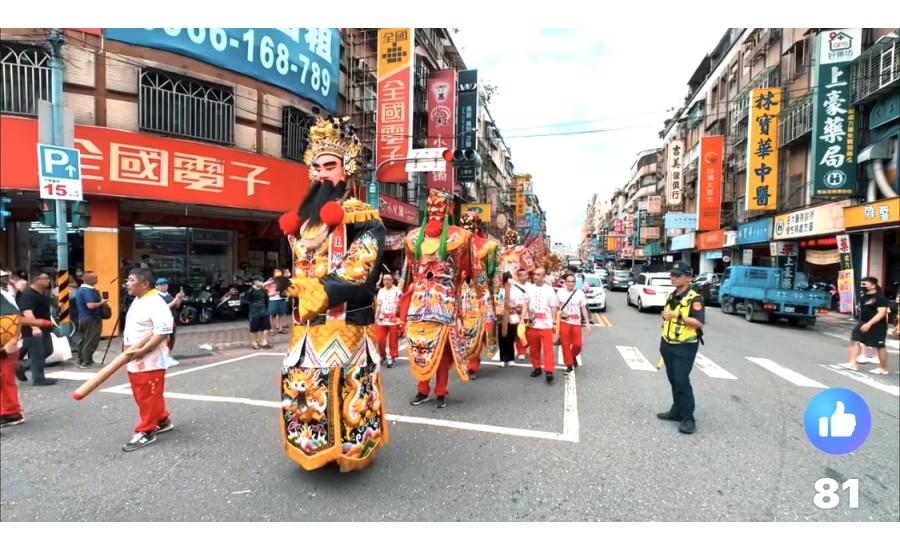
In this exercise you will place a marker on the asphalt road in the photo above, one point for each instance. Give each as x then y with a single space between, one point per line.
507 447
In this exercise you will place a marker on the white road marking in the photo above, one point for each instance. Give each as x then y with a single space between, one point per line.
571 429
210 365
635 358
569 434
560 361
893 346
711 369
71 375
786 373
864 379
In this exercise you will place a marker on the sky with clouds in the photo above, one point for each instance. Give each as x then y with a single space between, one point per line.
553 81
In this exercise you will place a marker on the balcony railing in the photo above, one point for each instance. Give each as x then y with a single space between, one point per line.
877 70
796 120
26 78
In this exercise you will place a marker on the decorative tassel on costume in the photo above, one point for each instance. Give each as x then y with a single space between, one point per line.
420 237
446 229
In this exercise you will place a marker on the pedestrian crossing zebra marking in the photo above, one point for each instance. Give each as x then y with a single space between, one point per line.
711 369
863 379
786 373
635 358
560 361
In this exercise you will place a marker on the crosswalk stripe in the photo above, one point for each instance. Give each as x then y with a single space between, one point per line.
635 358
711 369
560 361
786 373
864 379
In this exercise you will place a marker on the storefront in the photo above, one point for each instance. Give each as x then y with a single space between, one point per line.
193 212
682 247
815 231
399 218
753 241
879 225
716 250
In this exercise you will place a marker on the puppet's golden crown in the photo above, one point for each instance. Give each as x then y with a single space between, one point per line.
333 136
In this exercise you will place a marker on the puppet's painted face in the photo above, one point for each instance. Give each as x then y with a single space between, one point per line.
437 206
511 238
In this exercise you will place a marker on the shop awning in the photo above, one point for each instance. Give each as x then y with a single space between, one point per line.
880 150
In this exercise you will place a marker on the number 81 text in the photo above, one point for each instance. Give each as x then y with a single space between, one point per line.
826 493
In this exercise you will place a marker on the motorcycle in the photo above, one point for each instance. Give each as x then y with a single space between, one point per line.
229 305
197 307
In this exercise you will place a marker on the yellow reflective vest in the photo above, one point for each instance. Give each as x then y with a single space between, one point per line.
675 331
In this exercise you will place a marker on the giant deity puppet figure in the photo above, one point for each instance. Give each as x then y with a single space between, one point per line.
438 260
332 403
478 299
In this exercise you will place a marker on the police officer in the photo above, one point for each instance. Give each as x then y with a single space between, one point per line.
682 333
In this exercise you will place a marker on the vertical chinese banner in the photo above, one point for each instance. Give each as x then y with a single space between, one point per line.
396 50
673 172
833 126
441 123
784 257
466 121
709 184
845 290
762 149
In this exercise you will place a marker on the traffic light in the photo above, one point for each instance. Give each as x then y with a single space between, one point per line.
81 215
466 156
4 210
46 213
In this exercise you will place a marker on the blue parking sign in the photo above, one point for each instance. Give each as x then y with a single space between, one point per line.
59 173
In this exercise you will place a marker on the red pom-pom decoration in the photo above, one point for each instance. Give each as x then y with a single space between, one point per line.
332 214
289 223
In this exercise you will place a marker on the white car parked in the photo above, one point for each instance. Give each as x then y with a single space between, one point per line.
649 290
596 295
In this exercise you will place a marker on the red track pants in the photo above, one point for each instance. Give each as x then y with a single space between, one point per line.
147 388
570 340
540 340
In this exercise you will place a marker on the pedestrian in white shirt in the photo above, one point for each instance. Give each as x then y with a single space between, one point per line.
516 301
540 310
148 325
387 320
573 315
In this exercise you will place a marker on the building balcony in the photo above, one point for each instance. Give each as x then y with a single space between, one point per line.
796 120
877 70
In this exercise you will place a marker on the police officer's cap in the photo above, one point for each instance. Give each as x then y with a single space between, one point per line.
681 268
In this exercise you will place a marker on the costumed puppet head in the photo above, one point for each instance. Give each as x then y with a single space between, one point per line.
469 221
436 222
331 157
511 238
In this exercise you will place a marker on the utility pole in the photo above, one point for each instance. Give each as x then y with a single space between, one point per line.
62 236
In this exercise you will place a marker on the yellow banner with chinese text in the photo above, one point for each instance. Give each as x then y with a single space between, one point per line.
762 149
483 209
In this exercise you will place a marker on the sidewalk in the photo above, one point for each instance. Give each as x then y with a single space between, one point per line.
839 325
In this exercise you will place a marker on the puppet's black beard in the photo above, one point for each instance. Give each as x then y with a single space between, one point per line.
319 194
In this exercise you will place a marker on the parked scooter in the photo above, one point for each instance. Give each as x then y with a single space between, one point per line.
198 306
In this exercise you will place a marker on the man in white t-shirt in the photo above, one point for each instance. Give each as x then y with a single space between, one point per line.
540 310
387 319
574 314
148 325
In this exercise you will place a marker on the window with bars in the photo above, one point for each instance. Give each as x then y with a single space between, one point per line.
294 133
25 78
177 105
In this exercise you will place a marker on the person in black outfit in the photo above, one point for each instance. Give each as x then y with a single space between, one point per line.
507 343
872 328
37 342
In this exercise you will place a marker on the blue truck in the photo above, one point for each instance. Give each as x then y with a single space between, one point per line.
757 293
